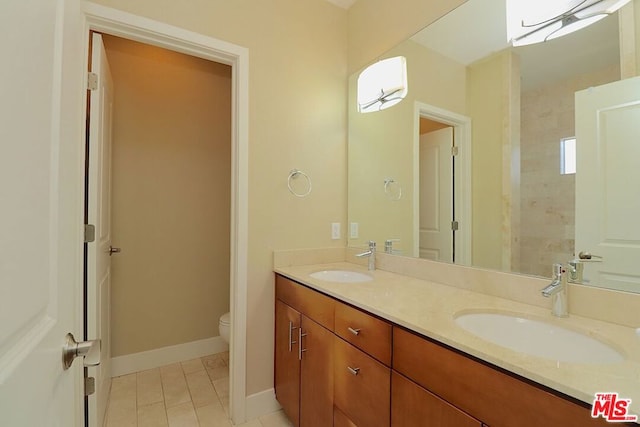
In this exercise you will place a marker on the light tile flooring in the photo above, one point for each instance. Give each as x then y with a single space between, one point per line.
194 393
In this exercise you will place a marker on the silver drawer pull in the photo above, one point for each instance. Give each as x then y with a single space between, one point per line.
354 371
354 331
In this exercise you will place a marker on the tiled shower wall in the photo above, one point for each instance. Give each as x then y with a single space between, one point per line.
547 222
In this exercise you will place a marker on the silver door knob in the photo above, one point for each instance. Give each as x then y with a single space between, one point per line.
113 250
588 256
89 350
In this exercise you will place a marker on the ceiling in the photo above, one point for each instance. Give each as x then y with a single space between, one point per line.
478 28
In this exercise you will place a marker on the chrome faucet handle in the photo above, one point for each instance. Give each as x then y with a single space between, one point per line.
557 270
388 245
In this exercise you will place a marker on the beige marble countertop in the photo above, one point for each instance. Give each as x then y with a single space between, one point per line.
430 308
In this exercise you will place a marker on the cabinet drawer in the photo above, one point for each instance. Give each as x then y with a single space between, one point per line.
313 304
362 386
413 406
365 331
487 393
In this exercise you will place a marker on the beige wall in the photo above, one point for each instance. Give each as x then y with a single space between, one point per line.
548 198
381 145
490 95
297 95
171 196
376 26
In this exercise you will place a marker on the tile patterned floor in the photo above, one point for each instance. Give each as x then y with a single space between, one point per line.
193 393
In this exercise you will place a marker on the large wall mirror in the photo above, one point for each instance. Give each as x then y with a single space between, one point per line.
478 166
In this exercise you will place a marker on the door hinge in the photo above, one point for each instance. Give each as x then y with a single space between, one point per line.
92 81
454 225
89 233
89 386
454 151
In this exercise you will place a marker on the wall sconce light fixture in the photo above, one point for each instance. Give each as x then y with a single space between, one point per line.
382 85
535 21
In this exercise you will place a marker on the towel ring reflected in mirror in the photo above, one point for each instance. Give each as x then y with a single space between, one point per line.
392 189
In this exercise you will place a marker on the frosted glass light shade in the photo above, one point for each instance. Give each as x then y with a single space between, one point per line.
382 85
535 21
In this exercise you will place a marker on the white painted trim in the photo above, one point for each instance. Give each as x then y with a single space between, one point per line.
262 403
122 24
123 365
462 181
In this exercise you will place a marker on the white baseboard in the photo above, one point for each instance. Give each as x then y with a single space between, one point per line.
261 403
127 364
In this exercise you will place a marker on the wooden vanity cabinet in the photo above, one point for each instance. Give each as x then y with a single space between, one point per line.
303 377
496 397
354 369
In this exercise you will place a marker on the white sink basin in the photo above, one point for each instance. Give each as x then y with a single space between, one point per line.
341 276
538 338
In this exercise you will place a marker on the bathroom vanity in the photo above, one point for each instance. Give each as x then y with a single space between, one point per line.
346 356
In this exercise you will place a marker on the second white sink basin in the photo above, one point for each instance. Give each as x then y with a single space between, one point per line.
538 338
341 276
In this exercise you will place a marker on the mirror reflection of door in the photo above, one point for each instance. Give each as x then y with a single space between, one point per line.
436 235
607 202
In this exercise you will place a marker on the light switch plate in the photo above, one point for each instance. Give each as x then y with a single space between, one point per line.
353 230
335 230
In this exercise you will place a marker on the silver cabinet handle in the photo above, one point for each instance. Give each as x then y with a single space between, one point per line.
354 371
89 350
354 331
291 342
113 250
300 349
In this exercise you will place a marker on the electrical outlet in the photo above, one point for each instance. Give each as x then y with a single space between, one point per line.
353 230
335 230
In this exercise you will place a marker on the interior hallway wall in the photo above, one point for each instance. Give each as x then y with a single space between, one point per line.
297 119
171 196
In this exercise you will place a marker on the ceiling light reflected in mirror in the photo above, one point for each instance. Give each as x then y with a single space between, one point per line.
531 22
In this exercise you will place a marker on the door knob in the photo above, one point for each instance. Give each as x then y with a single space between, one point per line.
113 250
587 256
89 350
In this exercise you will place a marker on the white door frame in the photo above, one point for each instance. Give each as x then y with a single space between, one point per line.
144 30
462 175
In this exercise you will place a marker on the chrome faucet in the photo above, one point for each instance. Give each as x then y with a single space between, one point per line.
371 253
557 290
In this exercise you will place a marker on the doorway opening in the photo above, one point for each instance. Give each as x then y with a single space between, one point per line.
442 184
134 28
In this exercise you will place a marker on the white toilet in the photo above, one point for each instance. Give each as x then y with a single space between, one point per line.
223 326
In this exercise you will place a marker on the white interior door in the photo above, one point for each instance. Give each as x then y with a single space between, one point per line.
436 198
41 212
99 214
607 177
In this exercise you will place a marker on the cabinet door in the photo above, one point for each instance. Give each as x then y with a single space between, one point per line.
316 375
287 363
361 386
413 406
